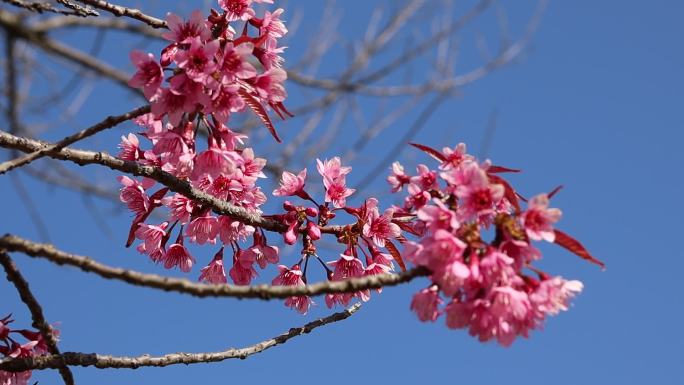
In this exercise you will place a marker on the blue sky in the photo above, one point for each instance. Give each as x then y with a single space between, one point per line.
595 105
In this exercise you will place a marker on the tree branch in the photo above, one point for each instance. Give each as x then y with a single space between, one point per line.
39 322
179 285
120 11
82 158
109 122
39 7
104 362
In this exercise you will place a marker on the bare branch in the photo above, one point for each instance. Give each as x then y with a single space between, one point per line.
81 157
109 122
120 11
179 285
57 22
40 7
39 322
79 10
12 23
104 362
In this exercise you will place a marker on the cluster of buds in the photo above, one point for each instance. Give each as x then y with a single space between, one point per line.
489 286
11 348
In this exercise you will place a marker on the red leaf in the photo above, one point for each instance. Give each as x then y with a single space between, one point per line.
509 192
396 254
554 191
407 227
574 246
430 151
260 111
499 169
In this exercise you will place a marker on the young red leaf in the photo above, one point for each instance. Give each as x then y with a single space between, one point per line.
554 191
396 254
260 111
499 169
574 246
509 192
430 151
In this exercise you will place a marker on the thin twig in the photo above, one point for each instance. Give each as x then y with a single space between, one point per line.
104 362
179 285
109 122
120 11
13 24
39 322
39 7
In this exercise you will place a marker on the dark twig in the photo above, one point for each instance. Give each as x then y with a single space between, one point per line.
39 322
104 362
109 122
120 11
40 7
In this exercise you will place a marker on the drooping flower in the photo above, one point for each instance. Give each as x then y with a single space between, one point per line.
293 277
214 272
426 304
178 255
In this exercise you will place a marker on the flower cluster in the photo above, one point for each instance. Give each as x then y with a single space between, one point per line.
363 239
485 284
11 348
214 72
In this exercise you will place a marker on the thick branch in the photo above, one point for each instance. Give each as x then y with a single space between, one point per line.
82 158
109 122
104 362
49 252
39 322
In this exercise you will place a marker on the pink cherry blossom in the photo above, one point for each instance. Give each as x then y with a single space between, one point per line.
214 272
332 169
554 294
152 237
182 31
398 178
231 230
198 59
237 9
260 252
149 76
293 277
426 304
271 24
133 194
203 229
181 207
291 184
269 53
380 227
130 148
538 219
479 196
242 272
454 157
178 255
234 63
269 85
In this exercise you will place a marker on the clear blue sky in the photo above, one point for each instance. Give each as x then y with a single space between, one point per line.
596 105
